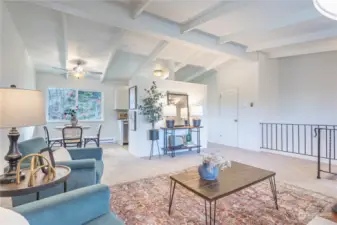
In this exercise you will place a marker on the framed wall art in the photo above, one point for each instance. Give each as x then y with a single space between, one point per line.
133 98
133 120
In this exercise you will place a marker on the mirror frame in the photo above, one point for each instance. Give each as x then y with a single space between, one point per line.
179 94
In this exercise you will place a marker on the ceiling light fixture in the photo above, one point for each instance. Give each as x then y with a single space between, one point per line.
78 75
158 73
327 8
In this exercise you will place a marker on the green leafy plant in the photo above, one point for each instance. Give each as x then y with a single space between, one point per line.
152 107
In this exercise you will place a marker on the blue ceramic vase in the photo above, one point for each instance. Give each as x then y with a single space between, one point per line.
208 174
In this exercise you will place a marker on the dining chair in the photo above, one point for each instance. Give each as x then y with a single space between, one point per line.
51 141
94 138
72 136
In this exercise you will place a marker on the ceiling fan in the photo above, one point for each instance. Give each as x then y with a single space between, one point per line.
78 71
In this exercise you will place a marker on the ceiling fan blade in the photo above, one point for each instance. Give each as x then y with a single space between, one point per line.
59 68
93 72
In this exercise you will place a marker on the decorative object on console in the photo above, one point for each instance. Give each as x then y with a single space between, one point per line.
327 8
73 117
178 142
170 111
18 108
196 112
211 163
133 97
35 166
152 110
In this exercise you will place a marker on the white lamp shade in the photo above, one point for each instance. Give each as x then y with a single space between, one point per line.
197 110
327 8
183 113
170 110
21 108
9 217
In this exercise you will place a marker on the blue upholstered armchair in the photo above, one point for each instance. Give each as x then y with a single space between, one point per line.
87 206
86 169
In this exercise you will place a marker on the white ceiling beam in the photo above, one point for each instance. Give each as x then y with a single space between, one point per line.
140 7
110 59
115 42
262 28
324 46
63 52
152 56
117 15
186 60
211 13
213 65
320 35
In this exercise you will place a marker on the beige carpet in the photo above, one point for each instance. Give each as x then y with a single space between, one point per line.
146 202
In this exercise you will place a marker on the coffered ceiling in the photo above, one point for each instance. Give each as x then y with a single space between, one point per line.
122 39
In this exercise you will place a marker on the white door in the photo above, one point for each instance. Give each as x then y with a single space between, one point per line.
229 117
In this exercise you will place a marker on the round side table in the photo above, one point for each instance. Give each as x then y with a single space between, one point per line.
10 190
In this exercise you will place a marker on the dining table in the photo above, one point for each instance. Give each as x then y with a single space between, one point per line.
85 127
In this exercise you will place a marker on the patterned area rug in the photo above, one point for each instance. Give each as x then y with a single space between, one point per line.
145 202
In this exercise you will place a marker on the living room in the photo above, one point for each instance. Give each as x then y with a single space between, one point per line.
239 93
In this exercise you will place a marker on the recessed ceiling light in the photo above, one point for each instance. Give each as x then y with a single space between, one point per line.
327 8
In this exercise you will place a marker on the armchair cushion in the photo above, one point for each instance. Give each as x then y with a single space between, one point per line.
72 208
32 146
61 154
86 153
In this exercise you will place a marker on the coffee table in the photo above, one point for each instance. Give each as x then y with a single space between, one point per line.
229 181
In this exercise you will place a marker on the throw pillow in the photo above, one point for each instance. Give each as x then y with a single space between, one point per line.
61 154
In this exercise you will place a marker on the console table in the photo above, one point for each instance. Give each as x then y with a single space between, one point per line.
173 148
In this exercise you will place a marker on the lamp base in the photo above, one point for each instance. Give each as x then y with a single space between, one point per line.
9 178
13 156
196 122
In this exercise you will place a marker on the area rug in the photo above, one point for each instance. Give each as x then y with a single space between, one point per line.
145 202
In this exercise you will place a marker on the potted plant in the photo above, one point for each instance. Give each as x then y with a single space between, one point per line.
72 113
211 163
152 109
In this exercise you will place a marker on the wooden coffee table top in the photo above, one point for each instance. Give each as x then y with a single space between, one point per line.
230 180
8 190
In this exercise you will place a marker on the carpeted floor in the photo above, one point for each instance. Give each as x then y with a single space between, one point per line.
146 202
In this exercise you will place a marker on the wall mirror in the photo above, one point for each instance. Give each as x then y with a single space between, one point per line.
180 100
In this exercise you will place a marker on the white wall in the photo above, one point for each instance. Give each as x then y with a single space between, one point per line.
268 89
16 68
308 88
139 145
244 77
109 125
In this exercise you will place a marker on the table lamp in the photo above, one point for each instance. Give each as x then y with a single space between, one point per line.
196 112
170 111
184 115
18 108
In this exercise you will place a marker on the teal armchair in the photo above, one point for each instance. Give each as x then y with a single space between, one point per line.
84 206
86 169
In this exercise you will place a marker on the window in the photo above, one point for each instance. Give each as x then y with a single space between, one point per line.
89 104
